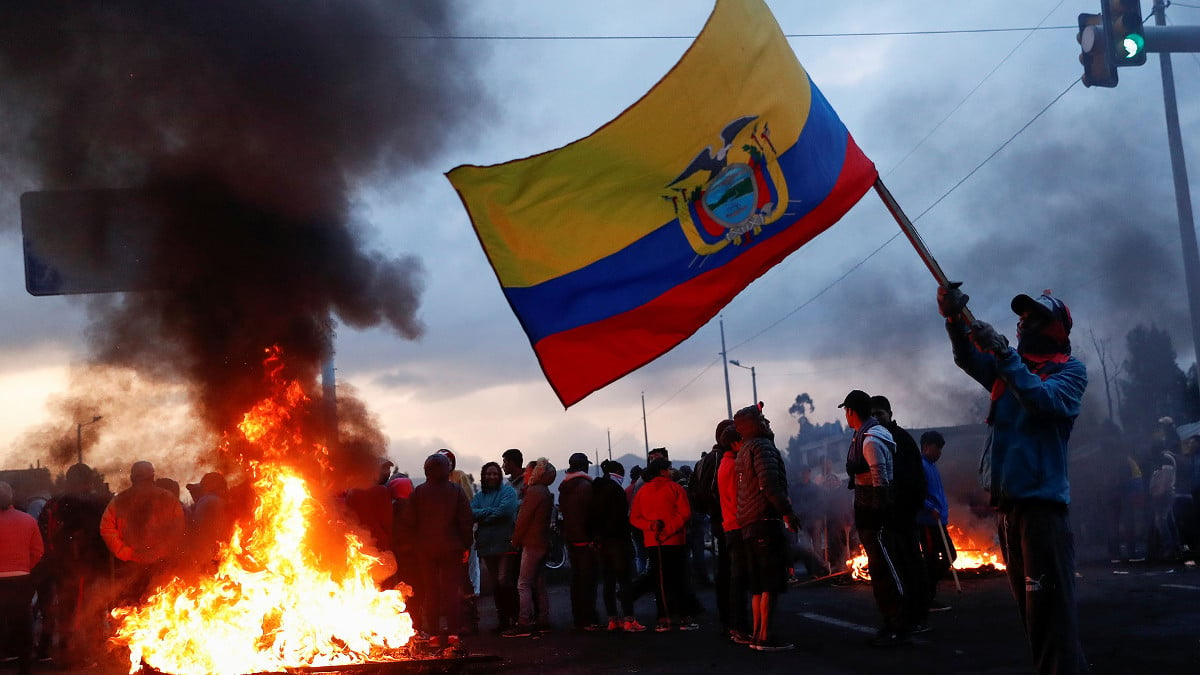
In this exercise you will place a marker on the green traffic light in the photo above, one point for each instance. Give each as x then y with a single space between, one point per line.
1133 44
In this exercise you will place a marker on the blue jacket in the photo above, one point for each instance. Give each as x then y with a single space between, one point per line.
1025 454
935 497
495 511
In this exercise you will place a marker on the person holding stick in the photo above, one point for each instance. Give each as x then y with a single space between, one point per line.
1036 394
936 549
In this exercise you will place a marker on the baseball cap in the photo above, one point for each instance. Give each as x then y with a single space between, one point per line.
856 400
578 460
1046 304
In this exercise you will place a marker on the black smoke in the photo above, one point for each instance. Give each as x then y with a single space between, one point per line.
253 123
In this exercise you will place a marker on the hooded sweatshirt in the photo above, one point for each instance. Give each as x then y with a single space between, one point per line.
533 519
574 503
438 516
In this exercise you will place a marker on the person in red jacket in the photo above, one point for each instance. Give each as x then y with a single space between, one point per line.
661 511
21 548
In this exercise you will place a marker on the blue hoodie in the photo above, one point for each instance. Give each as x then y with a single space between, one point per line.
1025 454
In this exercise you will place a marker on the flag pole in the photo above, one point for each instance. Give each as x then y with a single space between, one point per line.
914 238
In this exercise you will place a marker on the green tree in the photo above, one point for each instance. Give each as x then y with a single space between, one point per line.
1154 385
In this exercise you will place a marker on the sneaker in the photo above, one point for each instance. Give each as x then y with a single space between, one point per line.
588 628
739 638
937 606
631 625
613 624
920 628
772 646
688 624
888 638
519 630
662 626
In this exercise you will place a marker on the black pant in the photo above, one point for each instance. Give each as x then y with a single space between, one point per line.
502 576
937 559
911 566
616 571
735 552
16 619
441 592
583 583
667 569
885 577
1039 551
721 580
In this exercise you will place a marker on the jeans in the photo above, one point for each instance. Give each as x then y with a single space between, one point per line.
1039 551
531 581
502 575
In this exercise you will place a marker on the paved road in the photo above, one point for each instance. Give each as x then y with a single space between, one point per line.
1135 619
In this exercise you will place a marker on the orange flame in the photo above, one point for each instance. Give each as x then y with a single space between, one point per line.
274 602
973 553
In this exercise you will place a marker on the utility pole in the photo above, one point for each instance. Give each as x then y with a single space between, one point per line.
79 435
725 363
1183 197
645 429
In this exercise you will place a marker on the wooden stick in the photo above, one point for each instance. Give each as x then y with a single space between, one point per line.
949 556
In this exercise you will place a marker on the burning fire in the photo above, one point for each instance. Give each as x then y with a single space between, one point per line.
973 554
275 601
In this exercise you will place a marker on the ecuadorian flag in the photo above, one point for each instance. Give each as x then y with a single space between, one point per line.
619 246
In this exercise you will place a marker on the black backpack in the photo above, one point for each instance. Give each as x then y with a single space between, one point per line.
702 489
908 475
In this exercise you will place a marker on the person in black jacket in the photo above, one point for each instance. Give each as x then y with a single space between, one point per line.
609 523
908 478
438 518
574 505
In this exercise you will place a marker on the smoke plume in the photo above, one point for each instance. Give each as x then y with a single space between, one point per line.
249 124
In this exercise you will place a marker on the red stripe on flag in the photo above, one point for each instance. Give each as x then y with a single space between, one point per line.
577 362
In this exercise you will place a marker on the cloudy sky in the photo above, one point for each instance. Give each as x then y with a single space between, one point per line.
1080 201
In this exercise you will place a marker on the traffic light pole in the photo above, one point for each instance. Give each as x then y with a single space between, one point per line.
1183 197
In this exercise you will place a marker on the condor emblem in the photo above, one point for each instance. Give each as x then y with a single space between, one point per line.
740 193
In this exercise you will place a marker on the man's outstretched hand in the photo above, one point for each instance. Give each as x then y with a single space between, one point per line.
951 301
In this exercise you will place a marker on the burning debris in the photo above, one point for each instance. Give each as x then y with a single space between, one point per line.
974 554
292 588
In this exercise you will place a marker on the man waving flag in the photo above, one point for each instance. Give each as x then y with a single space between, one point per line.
619 246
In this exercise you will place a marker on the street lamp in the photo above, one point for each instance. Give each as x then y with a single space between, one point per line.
79 435
753 377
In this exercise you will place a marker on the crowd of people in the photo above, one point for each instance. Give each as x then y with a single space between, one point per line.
626 537
1153 499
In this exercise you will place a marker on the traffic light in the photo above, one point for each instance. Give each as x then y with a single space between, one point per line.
1123 26
1094 55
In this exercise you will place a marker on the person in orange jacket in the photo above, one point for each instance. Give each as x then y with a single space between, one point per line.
661 511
